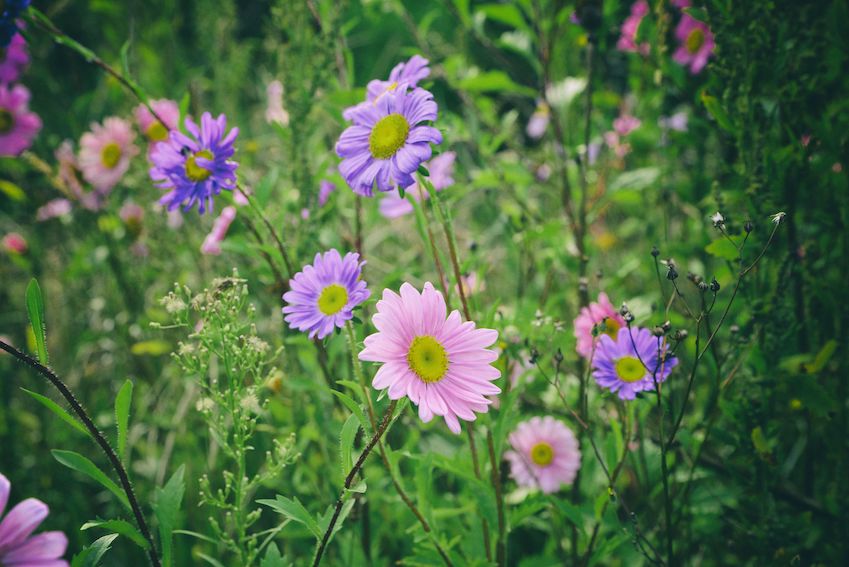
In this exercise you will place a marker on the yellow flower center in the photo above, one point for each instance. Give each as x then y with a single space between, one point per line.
542 454
156 132
195 172
611 327
387 136
332 299
630 369
695 40
110 155
428 359
6 120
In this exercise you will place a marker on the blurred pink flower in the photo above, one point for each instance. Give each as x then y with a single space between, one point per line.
545 454
441 169
53 209
212 243
13 59
18 126
538 122
105 153
14 243
275 112
628 33
154 130
592 315
695 43
625 124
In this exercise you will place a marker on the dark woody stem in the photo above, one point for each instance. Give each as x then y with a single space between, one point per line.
99 438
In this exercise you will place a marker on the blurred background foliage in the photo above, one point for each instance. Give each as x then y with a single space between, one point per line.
768 487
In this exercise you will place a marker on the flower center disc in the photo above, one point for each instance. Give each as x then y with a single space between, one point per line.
427 359
332 299
542 454
611 327
110 155
387 136
630 369
156 132
195 172
695 40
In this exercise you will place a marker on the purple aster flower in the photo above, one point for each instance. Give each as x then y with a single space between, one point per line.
626 370
387 142
13 59
17 544
324 294
195 168
409 72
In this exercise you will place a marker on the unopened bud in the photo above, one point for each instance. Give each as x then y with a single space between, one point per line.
671 274
680 335
558 356
714 285
748 226
655 252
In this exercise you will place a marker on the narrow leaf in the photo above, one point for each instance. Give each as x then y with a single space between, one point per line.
93 554
346 442
120 527
295 511
122 414
35 310
167 509
81 464
58 411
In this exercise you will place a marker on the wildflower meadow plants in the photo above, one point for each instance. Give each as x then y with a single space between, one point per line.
436 283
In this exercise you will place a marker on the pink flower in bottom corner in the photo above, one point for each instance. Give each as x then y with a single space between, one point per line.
545 454
695 44
594 314
441 363
18 547
18 126
105 153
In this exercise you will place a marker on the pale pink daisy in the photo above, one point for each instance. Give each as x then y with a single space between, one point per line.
18 126
52 209
441 363
594 314
545 454
695 44
154 130
105 153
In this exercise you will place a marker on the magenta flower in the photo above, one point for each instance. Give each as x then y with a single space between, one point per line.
18 547
594 314
323 295
628 33
545 454
212 242
13 59
154 130
695 44
14 243
392 205
631 362
442 364
18 126
105 153
388 142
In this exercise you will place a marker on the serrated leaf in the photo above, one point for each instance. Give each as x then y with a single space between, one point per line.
58 411
93 554
120 527
295 511
167 509
272 557
122 414
81 464
35 311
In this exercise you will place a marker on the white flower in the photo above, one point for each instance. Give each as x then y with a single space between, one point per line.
562 93
778 217
718 220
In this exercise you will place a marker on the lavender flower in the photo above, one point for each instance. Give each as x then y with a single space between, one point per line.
626 366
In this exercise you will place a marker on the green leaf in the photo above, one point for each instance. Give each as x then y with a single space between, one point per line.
272 558
152 348
11 190
823 356
491 81
354 407
346 443
722 248
167 509
295 511
715 109
93 554
81 464
636 179
120 527
122 414
58 411
35 310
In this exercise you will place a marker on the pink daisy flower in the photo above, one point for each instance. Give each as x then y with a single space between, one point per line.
441 363
628 33
17 544
545 454
441 168
624 124
105 153
695 44
154 130
212 243
13 59
18 126
592 315
52 209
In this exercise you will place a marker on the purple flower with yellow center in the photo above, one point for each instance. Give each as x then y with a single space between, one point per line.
631 362
195 168
324 294
388 142
409 72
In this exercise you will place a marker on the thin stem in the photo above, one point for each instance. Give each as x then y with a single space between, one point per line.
271 230
501 543
447 227
349 480
99 438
